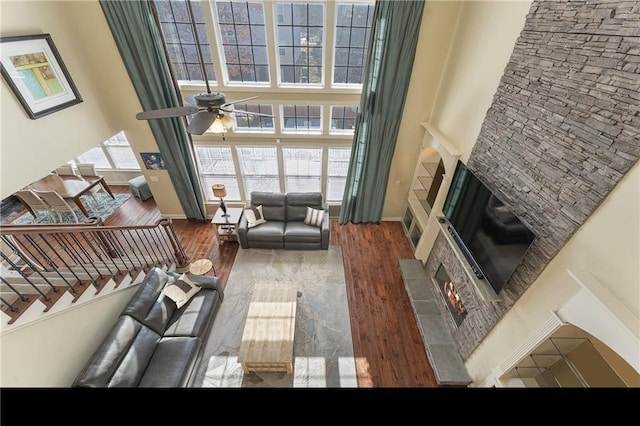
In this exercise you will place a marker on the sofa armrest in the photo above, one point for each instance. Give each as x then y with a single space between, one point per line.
324 230
208 282
243 227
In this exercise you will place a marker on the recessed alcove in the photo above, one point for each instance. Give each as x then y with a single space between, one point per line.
437 160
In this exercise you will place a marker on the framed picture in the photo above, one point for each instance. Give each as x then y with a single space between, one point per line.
34 70
153 160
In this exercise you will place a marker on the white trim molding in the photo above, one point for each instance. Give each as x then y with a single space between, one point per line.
598 312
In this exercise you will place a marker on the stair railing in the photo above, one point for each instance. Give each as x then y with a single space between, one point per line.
52 258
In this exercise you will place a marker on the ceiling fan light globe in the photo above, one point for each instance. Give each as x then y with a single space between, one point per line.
217 126
227 121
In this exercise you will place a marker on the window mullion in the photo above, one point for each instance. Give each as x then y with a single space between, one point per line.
108 155
215 42
236 164
272 44
325 170
329 37
281 173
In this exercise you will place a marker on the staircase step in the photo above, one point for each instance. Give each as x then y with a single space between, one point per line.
91 285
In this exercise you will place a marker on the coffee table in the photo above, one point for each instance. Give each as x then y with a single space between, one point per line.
267 339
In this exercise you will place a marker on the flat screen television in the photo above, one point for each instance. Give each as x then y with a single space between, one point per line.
492 238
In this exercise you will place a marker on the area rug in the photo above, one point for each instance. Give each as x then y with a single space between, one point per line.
102 206
323 349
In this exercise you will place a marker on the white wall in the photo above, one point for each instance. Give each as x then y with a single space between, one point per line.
85 43
51 353
31 147
436 33
484 41
462 51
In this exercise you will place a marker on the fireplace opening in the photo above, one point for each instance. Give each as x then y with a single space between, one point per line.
450 296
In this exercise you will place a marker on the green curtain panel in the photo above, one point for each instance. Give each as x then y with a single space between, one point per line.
139 41
392 46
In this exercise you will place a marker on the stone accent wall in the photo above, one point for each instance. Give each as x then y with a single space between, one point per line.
563 129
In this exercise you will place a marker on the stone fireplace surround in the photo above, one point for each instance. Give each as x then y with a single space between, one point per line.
561 132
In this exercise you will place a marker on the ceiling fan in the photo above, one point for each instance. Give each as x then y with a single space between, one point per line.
208 110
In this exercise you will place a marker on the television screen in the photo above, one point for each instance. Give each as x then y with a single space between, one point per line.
485 228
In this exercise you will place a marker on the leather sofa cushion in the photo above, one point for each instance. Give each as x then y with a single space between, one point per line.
148 305
122 357
194 318
172 363
300 232
297 203
273 204
270 231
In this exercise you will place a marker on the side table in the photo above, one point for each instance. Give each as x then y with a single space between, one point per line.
226 227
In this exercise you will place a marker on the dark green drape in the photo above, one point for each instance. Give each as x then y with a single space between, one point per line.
394 36
140 44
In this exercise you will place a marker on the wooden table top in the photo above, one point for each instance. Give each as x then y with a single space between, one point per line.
66 186
234 216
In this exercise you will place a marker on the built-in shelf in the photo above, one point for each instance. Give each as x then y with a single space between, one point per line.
425 176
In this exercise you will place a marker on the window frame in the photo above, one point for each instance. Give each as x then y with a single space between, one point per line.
325 95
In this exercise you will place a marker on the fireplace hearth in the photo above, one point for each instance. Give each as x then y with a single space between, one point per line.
450 296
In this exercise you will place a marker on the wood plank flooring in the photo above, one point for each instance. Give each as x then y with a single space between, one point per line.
387 344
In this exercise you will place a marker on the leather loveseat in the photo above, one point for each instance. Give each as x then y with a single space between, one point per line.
285 226
153 343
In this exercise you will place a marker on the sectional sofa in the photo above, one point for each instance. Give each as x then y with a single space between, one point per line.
156 343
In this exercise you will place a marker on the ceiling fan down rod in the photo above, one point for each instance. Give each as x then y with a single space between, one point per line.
195 34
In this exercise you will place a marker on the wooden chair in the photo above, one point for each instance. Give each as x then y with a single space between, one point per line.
57 204
65 170
89 170
34 203
86 169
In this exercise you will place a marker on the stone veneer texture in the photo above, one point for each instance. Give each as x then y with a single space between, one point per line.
562 130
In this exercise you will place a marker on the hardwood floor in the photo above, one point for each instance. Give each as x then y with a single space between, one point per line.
387 344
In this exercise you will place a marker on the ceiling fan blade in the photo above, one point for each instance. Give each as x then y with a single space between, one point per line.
167 112
191 100
201 122
250 113
239 100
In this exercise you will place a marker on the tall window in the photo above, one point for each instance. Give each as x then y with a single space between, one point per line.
180 41
287 61
302 169
300 30
337 167
244 41
353 28
259 167
216 166
114 153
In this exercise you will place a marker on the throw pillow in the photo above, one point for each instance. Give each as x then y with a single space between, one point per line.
254 216
181 291
314 217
